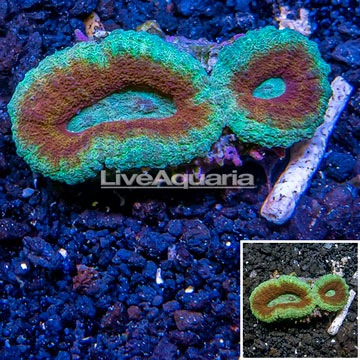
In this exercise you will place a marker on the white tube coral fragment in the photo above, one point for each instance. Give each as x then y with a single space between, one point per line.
300 25
336 324
305 159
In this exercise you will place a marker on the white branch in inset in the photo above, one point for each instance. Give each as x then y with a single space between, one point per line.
336 324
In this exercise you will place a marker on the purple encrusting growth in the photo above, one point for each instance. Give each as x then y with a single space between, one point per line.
80 36
226 151
232 154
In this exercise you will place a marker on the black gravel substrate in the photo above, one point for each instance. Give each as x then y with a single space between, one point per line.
78 265
292 338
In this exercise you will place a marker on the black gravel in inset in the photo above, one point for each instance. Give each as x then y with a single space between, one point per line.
290 338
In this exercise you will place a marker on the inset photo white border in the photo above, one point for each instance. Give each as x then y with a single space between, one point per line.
291 242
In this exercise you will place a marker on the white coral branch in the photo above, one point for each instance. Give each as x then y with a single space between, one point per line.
305 159
336 324
300 25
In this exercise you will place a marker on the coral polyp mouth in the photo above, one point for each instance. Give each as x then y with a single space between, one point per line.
123 106
284 299
270 88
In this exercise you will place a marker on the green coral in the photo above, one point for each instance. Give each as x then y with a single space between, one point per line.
274 304
270 88
147 148
288 297
126 106
237 58
136 150
334 298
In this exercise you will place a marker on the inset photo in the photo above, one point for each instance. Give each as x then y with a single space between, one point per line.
299 299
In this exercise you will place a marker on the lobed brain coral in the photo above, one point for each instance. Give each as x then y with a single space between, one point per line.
274 85
282 298
135 100
290 298
330 292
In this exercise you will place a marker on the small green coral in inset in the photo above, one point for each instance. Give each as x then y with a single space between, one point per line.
330 292
273 85
284 298
291 298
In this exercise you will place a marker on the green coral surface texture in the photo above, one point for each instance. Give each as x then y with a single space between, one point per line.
264 296
138 151
237 57
135 151
323 281
278 313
